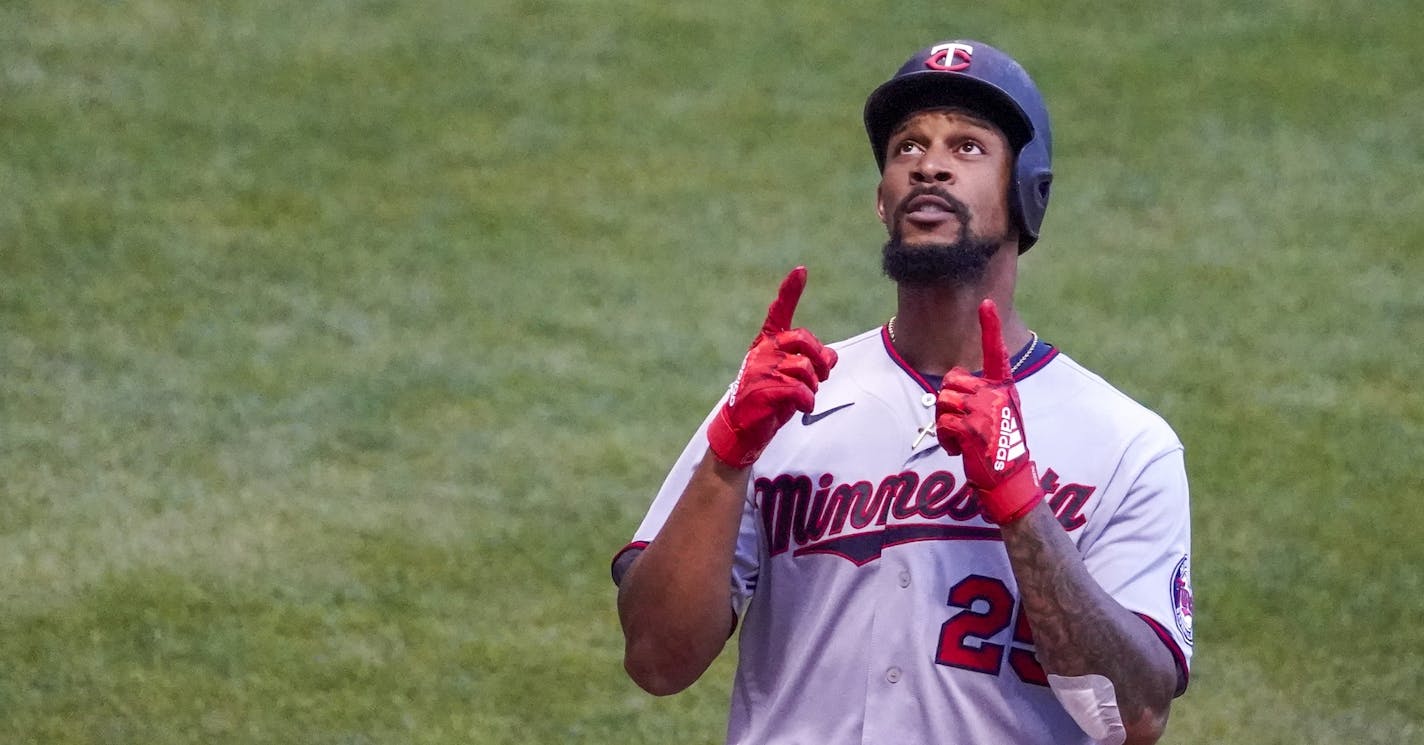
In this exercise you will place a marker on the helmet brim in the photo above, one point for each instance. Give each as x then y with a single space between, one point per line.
901 96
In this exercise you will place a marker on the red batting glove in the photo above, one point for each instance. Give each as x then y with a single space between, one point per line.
779 377
979 418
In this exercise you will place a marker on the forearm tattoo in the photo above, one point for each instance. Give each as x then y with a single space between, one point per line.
1078 628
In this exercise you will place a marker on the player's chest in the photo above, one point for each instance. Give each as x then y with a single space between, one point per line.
854 480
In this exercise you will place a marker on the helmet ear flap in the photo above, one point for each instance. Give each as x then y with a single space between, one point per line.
1043 180
1030 201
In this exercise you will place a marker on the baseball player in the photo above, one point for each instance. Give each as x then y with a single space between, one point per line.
917 553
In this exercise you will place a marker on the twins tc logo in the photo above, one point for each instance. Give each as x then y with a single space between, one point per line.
1011 441
951 57
1182 597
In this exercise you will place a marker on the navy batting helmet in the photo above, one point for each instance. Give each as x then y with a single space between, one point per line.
981 78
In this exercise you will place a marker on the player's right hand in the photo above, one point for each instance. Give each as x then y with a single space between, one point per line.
780 376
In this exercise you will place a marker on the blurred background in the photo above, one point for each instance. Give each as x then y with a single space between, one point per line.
343 342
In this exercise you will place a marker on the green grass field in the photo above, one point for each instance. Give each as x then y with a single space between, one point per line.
342 342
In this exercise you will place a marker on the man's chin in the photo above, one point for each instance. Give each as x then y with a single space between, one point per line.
915 260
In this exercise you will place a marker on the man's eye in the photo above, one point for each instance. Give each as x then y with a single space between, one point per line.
971 147
907 147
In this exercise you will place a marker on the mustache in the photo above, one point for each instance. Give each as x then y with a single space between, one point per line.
959 207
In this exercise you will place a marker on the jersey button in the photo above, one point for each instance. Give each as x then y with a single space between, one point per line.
893 675
904 578
928 399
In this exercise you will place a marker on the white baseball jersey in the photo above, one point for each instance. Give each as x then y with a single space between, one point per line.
878 606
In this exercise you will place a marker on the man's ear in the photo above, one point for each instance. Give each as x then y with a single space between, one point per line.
880 204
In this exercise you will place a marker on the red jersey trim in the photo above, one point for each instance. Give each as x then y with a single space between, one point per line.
898 360
1041 360
1036 365
1183 674
641 545
634 546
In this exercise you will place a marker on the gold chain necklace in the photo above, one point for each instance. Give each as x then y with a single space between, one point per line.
1032 345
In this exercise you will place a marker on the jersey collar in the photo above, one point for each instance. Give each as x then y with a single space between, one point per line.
1042 355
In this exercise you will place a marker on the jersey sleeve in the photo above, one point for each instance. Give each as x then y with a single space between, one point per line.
1142 555
746 562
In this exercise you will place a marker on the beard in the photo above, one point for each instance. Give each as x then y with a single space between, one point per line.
962 262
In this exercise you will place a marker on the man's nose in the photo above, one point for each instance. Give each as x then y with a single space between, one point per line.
934 167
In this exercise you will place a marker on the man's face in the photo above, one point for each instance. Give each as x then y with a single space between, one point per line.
943 197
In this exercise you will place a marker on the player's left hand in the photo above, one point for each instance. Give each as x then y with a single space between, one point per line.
979 418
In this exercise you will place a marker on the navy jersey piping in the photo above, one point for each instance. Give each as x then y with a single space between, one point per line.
1042 355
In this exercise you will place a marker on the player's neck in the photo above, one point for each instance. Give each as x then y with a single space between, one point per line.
937 327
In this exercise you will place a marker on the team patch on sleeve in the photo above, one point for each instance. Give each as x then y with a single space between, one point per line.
1182 597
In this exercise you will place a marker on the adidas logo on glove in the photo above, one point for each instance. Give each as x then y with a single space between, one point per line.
1011 441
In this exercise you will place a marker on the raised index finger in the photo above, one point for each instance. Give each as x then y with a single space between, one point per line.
996 357
778 316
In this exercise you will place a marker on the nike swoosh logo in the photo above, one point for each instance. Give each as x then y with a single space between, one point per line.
809 419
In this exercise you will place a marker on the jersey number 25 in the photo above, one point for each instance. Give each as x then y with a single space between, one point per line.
963 639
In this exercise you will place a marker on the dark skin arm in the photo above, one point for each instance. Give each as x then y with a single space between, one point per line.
673 601
1078 629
